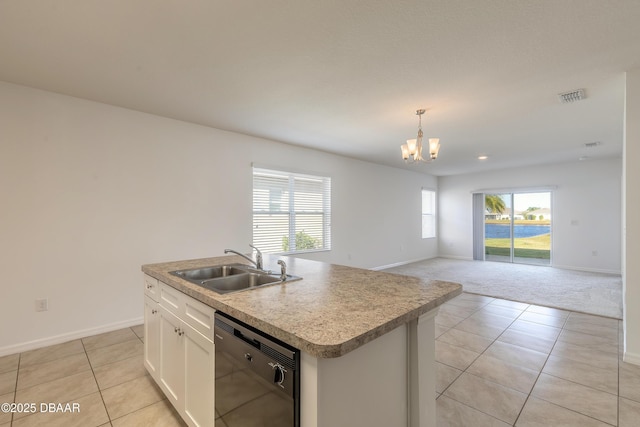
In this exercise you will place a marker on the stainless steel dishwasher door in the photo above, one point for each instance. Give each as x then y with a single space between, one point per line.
257 378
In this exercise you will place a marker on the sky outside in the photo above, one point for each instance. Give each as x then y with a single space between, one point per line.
522 201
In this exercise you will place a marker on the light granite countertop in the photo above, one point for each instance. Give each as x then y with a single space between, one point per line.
333 310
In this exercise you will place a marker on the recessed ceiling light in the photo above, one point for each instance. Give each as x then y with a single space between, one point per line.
483 157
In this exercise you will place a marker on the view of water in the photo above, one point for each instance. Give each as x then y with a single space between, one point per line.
500 231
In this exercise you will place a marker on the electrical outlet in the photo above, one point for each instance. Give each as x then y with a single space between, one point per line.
42 304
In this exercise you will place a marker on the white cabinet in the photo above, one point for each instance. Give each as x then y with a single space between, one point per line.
151 326
171 358
151 287
199 377
151 337
185 369
198 315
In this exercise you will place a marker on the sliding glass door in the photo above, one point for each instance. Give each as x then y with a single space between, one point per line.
498 227
517 227
532 228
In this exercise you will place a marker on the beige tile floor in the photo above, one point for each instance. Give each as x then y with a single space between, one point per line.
103 374
504 363
499 363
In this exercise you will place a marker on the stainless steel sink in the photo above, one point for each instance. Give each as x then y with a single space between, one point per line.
196 275
231 278
239 282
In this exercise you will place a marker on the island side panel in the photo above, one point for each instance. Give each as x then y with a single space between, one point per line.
308 390
366 387
422 373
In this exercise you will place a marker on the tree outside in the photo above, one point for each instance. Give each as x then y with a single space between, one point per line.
532 244
494 203
303 241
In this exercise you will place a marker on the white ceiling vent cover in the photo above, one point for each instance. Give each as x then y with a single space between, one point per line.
573 96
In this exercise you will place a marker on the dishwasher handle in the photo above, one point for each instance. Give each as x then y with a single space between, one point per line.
253 337
246 338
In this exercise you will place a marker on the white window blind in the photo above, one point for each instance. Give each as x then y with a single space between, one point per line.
291 211
428 214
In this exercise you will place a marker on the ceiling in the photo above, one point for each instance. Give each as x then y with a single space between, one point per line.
346 76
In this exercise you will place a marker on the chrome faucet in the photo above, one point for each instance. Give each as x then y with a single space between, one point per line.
257 262
283 270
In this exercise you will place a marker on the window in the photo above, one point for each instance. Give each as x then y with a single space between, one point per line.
291 212
428 214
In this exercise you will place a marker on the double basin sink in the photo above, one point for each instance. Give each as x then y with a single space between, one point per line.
228 278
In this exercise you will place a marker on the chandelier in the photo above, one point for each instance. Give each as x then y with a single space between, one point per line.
412 150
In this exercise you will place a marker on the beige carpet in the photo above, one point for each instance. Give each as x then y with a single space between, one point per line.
593 293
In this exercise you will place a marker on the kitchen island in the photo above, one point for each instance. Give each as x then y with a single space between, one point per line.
366 338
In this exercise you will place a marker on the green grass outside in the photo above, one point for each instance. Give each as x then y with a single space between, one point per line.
523 247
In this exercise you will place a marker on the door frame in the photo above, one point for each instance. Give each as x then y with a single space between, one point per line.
478 219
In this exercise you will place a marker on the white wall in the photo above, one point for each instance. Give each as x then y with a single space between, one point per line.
631 208
588 192
90 192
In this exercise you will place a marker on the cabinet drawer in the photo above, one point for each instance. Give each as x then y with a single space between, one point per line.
171 299
151 287
199 316
191 311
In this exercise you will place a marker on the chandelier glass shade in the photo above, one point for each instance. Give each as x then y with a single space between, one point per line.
412 150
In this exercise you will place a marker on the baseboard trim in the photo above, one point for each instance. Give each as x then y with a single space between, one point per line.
70 336
589 270
463 258
565 267
398 264
631 358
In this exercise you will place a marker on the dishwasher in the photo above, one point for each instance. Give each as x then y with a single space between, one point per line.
257 377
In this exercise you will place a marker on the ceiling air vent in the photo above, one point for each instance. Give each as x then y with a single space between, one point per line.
573 96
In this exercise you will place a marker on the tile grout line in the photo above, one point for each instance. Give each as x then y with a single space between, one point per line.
493 342
556 340
96 381
541 369
20 361
15 389
573 382
562 328
100 390
464 370
480 354
84 351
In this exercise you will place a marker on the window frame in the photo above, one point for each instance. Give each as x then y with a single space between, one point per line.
431 213
290 211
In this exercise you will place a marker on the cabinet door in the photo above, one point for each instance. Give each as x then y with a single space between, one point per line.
151 337
199 403
171 358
